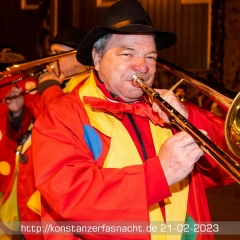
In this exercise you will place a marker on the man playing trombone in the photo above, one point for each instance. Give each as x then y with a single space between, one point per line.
22 116
9 56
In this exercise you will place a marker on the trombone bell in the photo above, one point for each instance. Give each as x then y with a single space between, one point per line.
232 127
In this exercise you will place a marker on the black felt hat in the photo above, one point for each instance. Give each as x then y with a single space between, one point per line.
125 16
70 37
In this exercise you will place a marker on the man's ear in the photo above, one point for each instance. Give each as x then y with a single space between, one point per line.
96 59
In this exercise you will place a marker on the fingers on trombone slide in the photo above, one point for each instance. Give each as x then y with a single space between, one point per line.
14 93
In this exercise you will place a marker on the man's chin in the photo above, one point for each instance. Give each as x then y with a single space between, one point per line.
131 99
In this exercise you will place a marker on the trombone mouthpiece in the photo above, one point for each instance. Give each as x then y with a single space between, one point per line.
137 79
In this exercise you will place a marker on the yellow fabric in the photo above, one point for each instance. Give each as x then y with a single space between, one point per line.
176 205
34 202
74 81
5 168
117 158
7 234
9 209
1 197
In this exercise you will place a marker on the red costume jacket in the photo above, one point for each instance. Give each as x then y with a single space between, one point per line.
25 182
75 185
7 145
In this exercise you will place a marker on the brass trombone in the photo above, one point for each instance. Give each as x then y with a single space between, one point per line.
226 98
223 96
29 65
230 165
23 66
35 89
19 95
14 81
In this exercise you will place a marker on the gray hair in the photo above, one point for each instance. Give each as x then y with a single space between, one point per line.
101 43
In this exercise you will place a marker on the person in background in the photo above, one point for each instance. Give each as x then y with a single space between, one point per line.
21 117
9 56
111 158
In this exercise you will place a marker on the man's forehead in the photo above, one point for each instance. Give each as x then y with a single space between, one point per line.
132 35
127 41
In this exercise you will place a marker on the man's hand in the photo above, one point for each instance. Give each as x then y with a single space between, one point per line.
170 97
15 105
50 75
178 156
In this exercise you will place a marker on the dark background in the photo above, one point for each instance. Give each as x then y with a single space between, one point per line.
208 44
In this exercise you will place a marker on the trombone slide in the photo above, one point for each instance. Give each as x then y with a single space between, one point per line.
231 166
23 66
226 98
14 81
20 95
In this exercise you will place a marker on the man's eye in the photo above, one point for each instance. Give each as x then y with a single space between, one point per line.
126 54
152 59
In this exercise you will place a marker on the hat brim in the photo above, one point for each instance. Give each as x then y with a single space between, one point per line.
163 39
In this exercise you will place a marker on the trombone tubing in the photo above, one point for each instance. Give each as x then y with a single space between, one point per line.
23 66
14 81
231 166
221 95
20 95
35 89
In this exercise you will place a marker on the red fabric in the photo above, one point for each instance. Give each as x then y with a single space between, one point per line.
8 145
76 188
212 172
26 181
43 100
207 172
154 183
119 108
97 183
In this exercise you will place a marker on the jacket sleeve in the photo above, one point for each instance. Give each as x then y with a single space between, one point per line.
74 187
49 91
33 107
212 172
26 117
